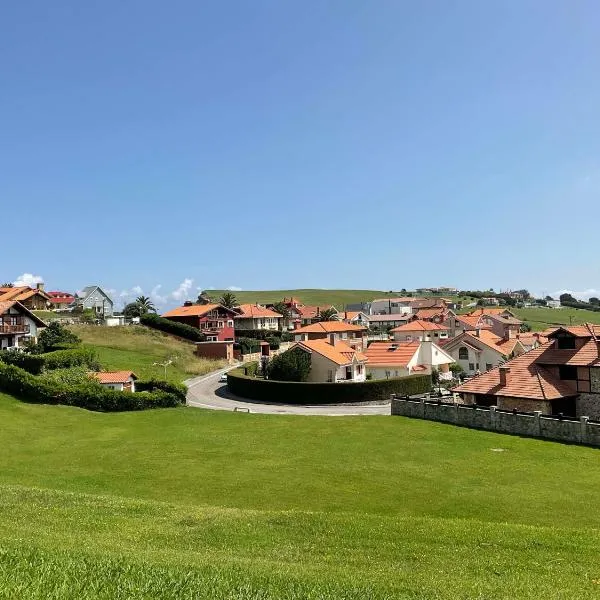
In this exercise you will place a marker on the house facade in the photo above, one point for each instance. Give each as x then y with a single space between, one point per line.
18 325
214 320
61 300
31 298
354 317
93 297
255 316
392 306
122 381
420 331
352 335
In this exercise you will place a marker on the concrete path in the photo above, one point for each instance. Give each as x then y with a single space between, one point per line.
208 392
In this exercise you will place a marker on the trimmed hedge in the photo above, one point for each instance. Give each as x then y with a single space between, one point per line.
59 359
167 326
257 334
153 385
92 396
291 392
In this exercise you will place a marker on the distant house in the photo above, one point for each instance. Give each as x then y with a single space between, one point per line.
122 381
93 297
214 320
499 320
421 331
333 361
18 325
31 298
354 317
353 335
383 322
553 303
255 316
393 306
400 359
61 300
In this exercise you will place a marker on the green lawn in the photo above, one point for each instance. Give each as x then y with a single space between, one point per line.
184 503
542 318
138 348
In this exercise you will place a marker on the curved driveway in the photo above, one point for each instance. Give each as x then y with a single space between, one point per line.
208 392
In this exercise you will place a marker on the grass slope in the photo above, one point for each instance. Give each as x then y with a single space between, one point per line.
138 347
192 504
543 318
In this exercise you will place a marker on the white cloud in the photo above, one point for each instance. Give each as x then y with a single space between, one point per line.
28 279
182 292
234 288
585 295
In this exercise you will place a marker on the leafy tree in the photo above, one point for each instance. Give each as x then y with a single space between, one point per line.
566 298
8 285
203 298
435 375
525 327
146 305
282 309
292 365
131 310
456 369
329 314
54 337
228 300
595 301
548 298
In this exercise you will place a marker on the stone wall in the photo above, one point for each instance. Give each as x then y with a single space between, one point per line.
579 431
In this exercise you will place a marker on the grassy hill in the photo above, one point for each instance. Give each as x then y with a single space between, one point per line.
184 503
138 348
543 318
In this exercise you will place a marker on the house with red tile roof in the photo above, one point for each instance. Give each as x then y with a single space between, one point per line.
18 325
400 359
301 314
354 317
353 335
31 298
122 381
419 330
561 375
256 316
214 320
61 300
481 350
333 361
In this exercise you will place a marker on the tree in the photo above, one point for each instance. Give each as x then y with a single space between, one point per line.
566 298
525 327
329 314
549 299
282 309
54 337
132 310
595 301
228 300
7 285
203 298
146 305
292 365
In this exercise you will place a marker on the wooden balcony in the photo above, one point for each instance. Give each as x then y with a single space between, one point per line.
7 329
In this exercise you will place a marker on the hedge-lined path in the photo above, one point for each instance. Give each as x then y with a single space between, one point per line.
208 392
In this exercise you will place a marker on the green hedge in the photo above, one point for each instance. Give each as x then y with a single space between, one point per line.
92 395
59 359
289 392
152 385
257 334
167 326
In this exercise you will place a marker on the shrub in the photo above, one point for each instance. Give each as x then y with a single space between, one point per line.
59 359
292 365
173 327
251 369
153 385
53 337
71 376
90 395
247 345
257 334
32 363
274 343
325 393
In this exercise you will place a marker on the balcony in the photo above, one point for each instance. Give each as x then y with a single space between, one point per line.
7 329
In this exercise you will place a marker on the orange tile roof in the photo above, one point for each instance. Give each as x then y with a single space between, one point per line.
311 312
391 353
419 326
255 311
329 327
472 321
195 310
587 355
526 379
589 330
487 338
21 293
6 304
486 310
428 313
402 299
113 376
339 353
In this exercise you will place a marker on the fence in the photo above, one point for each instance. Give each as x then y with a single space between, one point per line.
580 431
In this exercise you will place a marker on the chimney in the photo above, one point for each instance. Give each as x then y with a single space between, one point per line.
187 303
40 286
332 339
504 373
477 332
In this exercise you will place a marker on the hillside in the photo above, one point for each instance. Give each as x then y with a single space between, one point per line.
543 318
138 348
193 504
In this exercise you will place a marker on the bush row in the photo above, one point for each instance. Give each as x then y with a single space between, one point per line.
264 334
92 395
325 393
152 385
59 359
167 326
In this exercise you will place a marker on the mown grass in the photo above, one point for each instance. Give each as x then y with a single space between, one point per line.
185 503
543 318
138 348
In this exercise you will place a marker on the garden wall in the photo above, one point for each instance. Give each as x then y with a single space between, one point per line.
580 431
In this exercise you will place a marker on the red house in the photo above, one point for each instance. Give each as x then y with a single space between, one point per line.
61 300
214 320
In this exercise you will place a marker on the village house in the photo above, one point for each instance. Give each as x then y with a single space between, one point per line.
301 314
18 325
419 330
499 320
31 298
354 317
393 306
385 322
482 350
255 316
560 376
122 381
400 359
61 300
333 361
215 321
93 297
353 335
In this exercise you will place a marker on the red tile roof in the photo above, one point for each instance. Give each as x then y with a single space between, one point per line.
256 311
114 376
391 353
429 313
339 353
419 326
195 310
329 327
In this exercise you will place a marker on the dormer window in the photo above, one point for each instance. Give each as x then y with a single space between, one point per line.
565 343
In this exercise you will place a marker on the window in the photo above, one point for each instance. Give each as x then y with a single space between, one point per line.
566 343
471 367
488 366
329 376
567 372
229 323
477 366
387 374
463 353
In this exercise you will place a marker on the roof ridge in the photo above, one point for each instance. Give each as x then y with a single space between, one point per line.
539 378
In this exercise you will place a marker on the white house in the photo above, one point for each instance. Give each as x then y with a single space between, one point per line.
392 306
400 359
333 361
255 316
354 317
421 331
95 298
18 325
122 381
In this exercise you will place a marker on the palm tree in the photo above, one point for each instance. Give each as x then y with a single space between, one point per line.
329 314
7 285
145 304
228 300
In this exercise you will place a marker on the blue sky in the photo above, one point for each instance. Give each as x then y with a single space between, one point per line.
281 144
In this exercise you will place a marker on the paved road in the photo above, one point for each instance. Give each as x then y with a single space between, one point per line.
208 392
